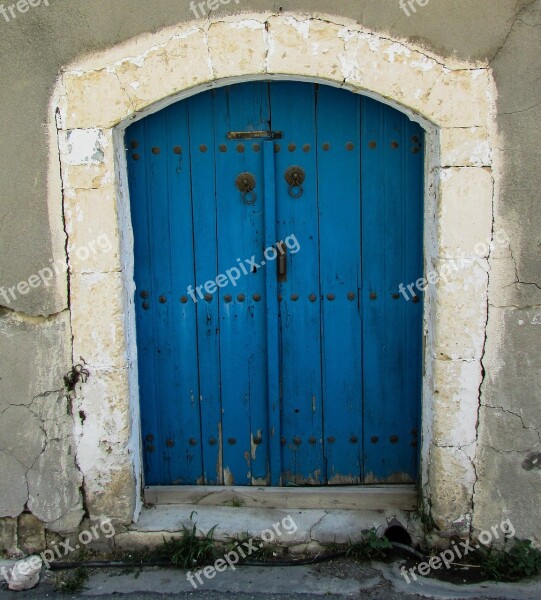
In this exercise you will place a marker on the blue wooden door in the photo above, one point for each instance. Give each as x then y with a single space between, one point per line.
274 347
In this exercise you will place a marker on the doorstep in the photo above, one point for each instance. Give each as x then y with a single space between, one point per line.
365 497
312 529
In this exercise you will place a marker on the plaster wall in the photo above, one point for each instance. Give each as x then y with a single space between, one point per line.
467 72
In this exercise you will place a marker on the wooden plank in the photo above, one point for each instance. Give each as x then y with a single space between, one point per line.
243 348
271 304
137 155
202 135
397 497
175 363
339 186
293 112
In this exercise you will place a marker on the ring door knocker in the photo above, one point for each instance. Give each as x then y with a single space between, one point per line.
294 177
246 183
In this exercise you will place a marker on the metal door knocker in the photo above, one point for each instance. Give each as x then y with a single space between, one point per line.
246 183
294 177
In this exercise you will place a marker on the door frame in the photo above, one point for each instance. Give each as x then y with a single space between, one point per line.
98 97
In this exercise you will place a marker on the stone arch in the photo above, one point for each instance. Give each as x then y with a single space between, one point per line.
99 96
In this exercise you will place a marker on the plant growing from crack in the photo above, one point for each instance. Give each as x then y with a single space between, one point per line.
190 549
77 374
516 560
370 547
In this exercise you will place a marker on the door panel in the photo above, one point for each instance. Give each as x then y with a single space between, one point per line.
340 258
310 380
300 318
240 234
391 191
205 251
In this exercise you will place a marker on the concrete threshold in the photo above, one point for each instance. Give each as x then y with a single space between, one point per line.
298 529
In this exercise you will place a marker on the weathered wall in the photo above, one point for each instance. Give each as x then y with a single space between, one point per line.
37 454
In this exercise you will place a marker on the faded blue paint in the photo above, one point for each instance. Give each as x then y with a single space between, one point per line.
310 381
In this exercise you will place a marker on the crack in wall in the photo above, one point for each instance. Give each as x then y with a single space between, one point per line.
519 10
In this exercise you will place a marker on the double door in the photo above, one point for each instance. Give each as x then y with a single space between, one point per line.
273 225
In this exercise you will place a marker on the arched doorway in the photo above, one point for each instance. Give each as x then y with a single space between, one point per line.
275 227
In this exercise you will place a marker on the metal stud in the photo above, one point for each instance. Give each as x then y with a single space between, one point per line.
372 144
276 148
223 148
145 305
393 439
256 147
231 441
240 148
241 297
415 299
297 441
134 144
372 295
156 150
150 448
353 439
136 156
306 148
203 148
294 297
208 297
258 441
394 145
292 147
257 297
396 296
331 297
149 438
350 146
212 441
163 299
326 146
177 149
351 295
374 439
312 441
312 297
144 294
331 439
192 442
228 298
184 299
169 443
